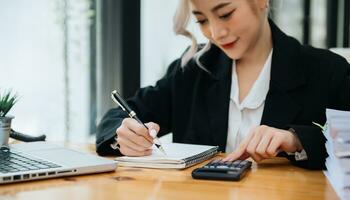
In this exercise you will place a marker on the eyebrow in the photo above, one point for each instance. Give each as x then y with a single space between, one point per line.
217 7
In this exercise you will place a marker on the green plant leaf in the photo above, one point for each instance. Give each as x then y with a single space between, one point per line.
7 101
324 127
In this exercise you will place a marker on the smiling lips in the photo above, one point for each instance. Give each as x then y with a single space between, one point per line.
229 45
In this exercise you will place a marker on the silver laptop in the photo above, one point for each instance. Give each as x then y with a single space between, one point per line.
41 160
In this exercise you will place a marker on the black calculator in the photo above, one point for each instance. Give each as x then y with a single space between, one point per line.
219 170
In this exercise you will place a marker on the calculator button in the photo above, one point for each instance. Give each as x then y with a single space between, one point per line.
228 162
236 162
221 163
242 165
244 162
222 167
208 164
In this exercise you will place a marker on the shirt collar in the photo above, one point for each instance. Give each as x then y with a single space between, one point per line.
257 94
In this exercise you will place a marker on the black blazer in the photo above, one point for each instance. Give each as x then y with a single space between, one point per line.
193 104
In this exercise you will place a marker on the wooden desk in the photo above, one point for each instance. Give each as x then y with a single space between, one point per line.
271 179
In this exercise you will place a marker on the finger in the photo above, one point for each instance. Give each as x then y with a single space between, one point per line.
260 133
252 145
137 139
243 157
241 148
153 129
125 150
230 157
137 128
255 156
124 132
261 149
122 141
275 143
236 154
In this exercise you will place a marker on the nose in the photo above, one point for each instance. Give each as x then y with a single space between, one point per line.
218 31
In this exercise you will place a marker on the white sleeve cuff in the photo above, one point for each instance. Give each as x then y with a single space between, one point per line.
299 156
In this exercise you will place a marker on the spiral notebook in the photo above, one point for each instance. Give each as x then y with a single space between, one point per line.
179 156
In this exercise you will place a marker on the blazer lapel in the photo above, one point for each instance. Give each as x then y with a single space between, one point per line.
286 76
217 95
280 110
217 101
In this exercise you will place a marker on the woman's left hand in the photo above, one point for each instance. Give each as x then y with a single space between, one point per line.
265 142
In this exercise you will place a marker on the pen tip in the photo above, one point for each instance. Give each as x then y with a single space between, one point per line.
162 150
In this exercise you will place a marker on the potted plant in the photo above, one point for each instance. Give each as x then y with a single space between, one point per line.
7 101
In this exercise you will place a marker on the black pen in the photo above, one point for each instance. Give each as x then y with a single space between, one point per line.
124 106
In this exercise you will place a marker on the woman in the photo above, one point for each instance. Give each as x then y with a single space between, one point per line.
251 90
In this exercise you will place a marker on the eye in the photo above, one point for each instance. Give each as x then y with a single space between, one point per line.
227 15
201 22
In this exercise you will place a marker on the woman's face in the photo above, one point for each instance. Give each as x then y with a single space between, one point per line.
233 25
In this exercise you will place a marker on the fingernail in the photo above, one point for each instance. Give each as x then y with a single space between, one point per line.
153 133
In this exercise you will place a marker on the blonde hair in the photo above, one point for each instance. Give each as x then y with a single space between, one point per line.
181 20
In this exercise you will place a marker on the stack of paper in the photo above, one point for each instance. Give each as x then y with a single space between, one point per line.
337 133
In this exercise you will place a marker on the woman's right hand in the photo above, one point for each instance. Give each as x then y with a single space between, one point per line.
134 139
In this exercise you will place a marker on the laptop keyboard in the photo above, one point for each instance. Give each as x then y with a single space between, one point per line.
16 162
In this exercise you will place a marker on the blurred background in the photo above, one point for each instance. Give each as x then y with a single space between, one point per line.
64 57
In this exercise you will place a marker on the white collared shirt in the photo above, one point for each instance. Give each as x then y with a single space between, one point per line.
245 115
